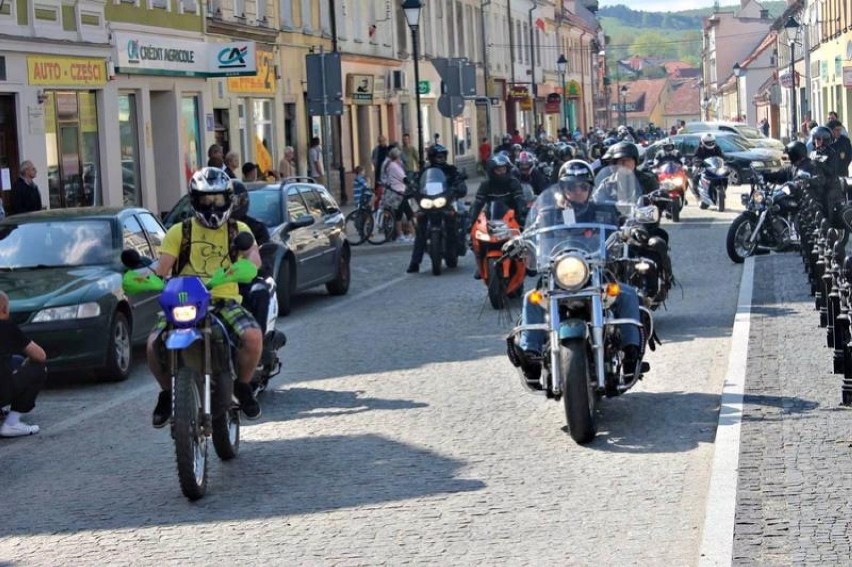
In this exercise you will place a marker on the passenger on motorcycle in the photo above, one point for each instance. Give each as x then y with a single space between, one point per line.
499 185
667 153
255 297
526 171
816 186
211 245
572 196
437 157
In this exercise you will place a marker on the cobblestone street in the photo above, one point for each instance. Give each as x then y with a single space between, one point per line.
397 433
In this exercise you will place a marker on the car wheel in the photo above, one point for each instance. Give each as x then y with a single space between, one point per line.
734 178
340 284
284 289
120 351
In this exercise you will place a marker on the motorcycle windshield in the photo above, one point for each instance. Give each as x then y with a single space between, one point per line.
620 189
714 163
669 168
432 182
551 228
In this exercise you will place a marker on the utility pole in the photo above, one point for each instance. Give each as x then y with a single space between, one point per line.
534 87
485 78
339 119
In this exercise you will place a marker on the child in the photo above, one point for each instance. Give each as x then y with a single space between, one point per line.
359 185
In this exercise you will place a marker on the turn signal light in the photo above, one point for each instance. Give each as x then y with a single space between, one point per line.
612 289
536 297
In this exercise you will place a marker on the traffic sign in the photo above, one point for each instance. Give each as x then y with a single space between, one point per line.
450 106
325 85
424 87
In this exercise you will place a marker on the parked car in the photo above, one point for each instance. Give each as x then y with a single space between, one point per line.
62 271
750 133
308 244
738 153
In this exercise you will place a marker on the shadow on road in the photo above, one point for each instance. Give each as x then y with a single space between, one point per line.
270 478
302 403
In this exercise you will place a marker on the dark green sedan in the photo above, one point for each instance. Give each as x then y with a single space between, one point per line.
62 271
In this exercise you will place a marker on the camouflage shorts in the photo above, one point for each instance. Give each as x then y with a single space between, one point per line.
236 318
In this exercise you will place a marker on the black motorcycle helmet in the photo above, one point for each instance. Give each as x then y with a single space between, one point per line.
437 154
576 169
796 151
240 208
495 162
822 134
622 150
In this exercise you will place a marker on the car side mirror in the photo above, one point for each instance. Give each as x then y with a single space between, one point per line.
299 222
132 260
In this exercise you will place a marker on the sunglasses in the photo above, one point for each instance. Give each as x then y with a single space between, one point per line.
577 188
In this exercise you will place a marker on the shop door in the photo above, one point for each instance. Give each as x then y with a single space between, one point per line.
69 165
9 158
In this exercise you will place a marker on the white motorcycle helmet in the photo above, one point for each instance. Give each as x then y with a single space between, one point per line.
708 140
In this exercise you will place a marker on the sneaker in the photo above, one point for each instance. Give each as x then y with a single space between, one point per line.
163 411
20 429
249 405
412 269
477 275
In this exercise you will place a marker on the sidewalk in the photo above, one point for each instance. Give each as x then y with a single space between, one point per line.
794 492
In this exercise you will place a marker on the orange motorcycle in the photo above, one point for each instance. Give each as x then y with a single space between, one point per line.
503 276
674 179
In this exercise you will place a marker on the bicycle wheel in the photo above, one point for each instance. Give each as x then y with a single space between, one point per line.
383 229
356 225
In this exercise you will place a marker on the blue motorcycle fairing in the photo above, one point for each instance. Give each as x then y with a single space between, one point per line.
181 291
572 329
179 339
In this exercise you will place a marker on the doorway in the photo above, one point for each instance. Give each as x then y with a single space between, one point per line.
9 157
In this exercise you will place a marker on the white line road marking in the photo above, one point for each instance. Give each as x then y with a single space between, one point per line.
363 294
718 539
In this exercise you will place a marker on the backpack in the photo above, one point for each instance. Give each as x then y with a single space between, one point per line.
186 244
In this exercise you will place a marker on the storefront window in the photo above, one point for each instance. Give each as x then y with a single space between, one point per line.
264 142
129 136
71 135
191 136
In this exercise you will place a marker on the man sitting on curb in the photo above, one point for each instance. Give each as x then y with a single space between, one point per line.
19 384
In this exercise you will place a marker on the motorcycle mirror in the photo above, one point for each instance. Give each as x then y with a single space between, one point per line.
244 241
802 175
133 260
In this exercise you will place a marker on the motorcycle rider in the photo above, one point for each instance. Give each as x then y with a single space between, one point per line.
624 135
255 297
437 157
573 192
209 246
623 158
707 147
499 185
526 171
668 153
800 161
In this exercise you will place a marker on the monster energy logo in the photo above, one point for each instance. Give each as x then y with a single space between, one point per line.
183 296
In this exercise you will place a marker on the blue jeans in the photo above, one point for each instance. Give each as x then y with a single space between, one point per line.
626 306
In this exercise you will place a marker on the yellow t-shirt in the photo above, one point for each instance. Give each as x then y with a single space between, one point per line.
208 253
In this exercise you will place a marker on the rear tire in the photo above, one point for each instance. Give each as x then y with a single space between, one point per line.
226 434
340 284
578 396
190 441
284 289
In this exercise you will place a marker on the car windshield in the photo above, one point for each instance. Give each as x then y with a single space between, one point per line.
56 244
730 144
750 133
265 206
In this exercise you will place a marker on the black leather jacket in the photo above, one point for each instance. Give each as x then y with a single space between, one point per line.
536 179
508 189
703 152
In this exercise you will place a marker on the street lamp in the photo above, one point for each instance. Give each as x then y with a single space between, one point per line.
623 120
738 72
562 64
792 28
412 8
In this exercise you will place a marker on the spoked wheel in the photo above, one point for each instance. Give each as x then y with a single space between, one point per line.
578 395
359 226
226 434
737 242
188 433
383 229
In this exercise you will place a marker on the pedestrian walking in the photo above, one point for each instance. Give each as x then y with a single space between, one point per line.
410 158
20 382
232 164
287 166
316 169
841 145
25 195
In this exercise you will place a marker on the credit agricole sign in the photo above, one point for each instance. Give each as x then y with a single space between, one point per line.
156 55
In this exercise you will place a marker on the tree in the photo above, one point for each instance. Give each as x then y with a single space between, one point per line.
653 44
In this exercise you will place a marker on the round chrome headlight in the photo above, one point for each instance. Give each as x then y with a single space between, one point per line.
571 272
758 197
647 215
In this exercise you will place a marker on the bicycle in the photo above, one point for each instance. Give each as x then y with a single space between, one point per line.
360 222
384 222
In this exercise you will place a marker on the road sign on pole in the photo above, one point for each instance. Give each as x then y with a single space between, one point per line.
325 87
458 82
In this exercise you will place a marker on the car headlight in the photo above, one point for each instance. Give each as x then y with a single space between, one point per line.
756 164
439 202
184 313
571 272
426 203
67 313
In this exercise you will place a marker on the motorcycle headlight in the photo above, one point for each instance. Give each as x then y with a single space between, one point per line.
756 164
82 311
758 197
647 215
439 202
426 203
571 272
184 313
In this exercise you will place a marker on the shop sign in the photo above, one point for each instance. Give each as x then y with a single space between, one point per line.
518 93
847 77
785 81
263 82
526 104
553 104
424 87
50 70
360 88
573 89
155 55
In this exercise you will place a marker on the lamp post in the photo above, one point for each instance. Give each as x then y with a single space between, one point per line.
623 114
412 8
738 72
562 64
792 28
